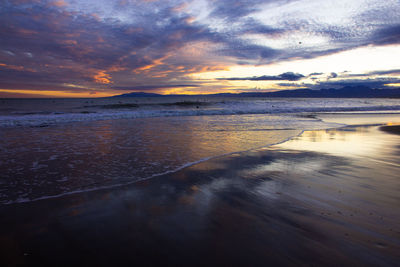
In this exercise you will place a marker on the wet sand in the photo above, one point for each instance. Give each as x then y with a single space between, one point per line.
325 198
394 129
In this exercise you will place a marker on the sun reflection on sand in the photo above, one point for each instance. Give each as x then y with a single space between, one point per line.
350 141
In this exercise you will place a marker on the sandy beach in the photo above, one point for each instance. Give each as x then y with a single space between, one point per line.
200 133
325 198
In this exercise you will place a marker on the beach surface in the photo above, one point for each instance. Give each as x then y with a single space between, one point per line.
324 198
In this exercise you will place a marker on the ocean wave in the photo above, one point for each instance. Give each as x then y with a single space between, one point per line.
42 120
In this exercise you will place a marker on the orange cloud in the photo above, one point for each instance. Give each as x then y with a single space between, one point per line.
18 2
201 69
116 69
70 42
180 7
131 30
59 3
72 35
34 93
102 77
14 67
96 16
26 32
190 20
155 63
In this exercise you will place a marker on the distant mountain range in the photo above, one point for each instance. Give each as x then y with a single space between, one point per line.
348 91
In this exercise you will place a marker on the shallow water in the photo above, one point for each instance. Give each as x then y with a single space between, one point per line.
39 162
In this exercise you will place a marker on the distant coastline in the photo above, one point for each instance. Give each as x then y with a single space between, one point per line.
345 92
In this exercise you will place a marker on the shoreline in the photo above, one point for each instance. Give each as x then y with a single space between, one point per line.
383 126
315 199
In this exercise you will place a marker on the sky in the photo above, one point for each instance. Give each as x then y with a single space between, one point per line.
97 48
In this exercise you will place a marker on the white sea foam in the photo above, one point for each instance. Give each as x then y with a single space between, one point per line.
42 120
23 199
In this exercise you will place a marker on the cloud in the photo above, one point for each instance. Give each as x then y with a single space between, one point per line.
385 72
254 27
151 87
377 83
333 75
294 85
393 72
8 53
70 46
387 35
315 74
234 9
107 44
287 76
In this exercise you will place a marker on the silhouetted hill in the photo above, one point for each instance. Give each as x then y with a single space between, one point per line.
345 92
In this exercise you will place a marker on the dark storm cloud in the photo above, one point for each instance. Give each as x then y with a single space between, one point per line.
287 76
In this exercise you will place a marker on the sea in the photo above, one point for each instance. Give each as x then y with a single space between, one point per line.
55 147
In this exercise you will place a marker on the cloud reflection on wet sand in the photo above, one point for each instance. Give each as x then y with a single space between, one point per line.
303 202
